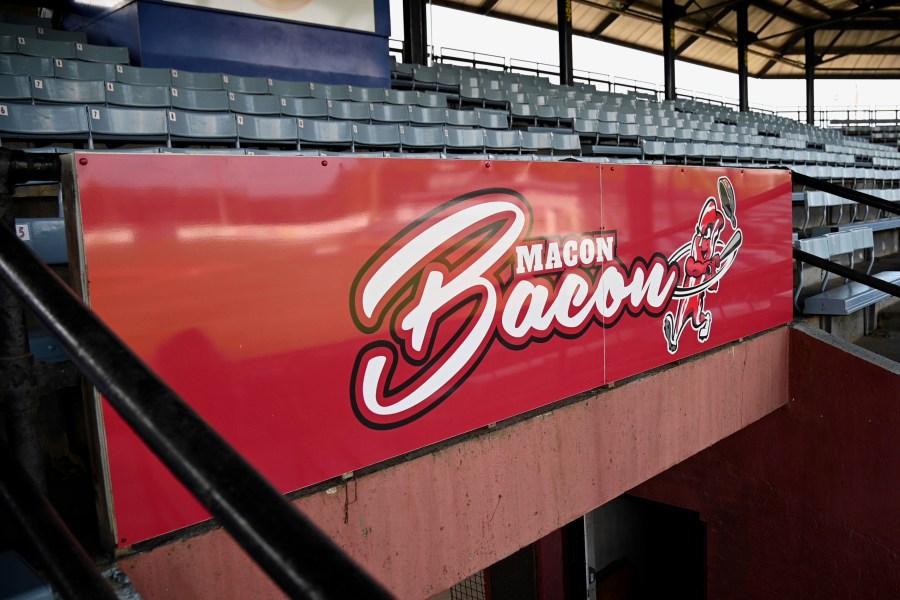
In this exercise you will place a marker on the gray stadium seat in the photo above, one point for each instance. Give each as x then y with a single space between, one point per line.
18 30
253 104
423 115
45 48
201 100
328 134
245 85
139 96
85 71
196 81
586 129
201 127
68 91
422 138
400 96
535 141
267 130
347 110
502 141
461 118
15 87
391 113
464 139
47 33
36 66
492 119
330 92
8 44
377 135
565 143
102 54
290 89
143 75
432 100
110 123
364 94
523 113
27 121
304 107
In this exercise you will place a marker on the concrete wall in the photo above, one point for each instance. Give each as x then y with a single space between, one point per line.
424 524
804 503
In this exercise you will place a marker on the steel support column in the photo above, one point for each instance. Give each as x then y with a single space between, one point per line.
811 61
564 26
668 23
743 44
415 32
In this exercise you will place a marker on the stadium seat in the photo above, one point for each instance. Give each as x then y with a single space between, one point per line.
85 71
364 94
330 92
48 33
267 130
492 119
143 75
245 85
138 125
565 143
502 141
326 134
139 96
8 44
68 91
536 141
422 138
43 122
432 100
290 89
400 96
15 87
45 48
199 100
36 66
201 127
304 107
377 135
347 110
464 139
461 118
102 54
17 30
393 113
253 104
196 81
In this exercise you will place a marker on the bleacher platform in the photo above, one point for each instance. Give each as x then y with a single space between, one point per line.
58 93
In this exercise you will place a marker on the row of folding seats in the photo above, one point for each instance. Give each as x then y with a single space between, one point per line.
129 125
40 32
53 48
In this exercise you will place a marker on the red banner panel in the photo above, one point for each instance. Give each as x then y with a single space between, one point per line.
328 314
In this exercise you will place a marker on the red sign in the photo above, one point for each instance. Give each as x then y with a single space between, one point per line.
328 314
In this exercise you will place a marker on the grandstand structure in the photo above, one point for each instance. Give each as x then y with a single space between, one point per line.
172 172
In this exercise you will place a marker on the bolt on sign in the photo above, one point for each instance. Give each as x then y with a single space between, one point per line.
326 315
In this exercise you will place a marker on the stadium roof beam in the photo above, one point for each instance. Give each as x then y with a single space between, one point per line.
670 15
810 69
564 27
742 46
415 32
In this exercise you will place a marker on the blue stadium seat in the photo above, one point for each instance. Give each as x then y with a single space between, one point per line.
138 125
267 130
43 122
140 96
202 127
68 91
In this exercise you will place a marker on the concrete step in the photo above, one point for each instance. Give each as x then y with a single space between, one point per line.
883 342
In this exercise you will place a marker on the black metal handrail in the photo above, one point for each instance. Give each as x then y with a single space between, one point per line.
852 274
296 555
843 192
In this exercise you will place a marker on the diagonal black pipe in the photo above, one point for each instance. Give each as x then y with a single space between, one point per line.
296 555
843 192
852 274
70 570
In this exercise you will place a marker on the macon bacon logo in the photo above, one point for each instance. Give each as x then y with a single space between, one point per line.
466 274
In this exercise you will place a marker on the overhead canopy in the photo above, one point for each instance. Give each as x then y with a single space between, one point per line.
852 39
